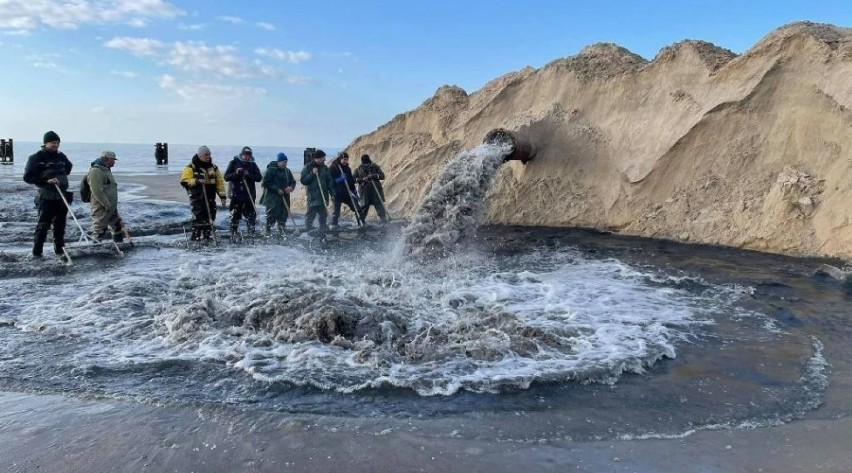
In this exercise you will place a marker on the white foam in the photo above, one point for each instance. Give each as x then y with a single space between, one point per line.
346 323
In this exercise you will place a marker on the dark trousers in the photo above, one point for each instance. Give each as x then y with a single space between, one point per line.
313 212
240 208
375 202
276 212
200 218
338 202
50 212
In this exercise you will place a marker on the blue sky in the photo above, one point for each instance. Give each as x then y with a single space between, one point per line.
312 73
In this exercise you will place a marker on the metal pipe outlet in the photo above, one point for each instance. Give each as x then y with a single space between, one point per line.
522 149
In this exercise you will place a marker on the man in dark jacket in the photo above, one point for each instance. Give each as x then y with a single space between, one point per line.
241 175
48 170
344 188
369 176
317 181
278 183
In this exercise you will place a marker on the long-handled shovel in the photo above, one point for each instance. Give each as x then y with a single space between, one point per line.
251 198
209 214
379 195
290 215
84 237
352 198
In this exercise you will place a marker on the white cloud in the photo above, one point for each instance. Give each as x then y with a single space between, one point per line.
29 15
137 23
294 57
197 58
300 80
234 20
139 47
125 74
193 27
17 33
207 91
222 60
266 26
98 110
46 60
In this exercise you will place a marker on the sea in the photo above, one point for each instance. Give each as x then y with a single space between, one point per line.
506 333
138 159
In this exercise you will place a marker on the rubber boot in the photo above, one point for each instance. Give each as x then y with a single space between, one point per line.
205 234
38 243
250 230
118 233
196 234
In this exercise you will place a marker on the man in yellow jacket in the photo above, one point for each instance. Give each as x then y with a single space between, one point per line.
203 181
104 199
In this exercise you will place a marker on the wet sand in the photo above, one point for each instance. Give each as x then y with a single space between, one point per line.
58 434
163 187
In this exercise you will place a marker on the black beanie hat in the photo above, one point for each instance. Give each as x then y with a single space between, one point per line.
365 159
50 136
319 154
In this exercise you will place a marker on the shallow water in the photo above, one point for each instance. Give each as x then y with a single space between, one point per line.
523 333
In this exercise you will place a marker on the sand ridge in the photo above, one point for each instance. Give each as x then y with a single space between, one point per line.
697 145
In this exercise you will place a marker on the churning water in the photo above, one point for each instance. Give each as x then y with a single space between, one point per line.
596 336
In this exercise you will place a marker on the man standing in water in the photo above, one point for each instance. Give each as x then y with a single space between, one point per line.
317 181
344 188
278 182
48 170
104 200
241 175
203 181
369 176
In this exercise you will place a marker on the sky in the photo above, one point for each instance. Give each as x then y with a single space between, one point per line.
318 72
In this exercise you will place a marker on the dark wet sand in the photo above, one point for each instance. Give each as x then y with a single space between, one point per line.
58 434
163 187
52 433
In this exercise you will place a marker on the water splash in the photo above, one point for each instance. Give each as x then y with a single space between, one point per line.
456 201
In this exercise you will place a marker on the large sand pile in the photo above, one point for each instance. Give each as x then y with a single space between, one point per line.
699 145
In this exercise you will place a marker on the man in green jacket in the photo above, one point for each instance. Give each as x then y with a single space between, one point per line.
104 201
278 183
318 184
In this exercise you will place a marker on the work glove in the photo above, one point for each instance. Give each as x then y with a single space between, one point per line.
340 179
241 171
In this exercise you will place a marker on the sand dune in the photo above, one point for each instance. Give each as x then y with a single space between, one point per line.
698 145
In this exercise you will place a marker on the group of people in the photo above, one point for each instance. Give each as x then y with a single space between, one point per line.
337 183
48 170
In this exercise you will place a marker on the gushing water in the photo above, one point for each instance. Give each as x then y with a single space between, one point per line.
456 200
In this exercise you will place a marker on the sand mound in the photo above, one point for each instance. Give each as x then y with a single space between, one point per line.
698 145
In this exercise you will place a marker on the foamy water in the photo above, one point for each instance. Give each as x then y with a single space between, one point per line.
476 324
302 327
456 201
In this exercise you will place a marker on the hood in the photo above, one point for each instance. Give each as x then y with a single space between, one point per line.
198 162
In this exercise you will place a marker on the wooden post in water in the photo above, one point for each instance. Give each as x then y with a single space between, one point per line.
7 151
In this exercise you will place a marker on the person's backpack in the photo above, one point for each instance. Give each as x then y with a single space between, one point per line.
85 190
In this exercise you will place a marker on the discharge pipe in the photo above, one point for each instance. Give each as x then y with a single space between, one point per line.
521 148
